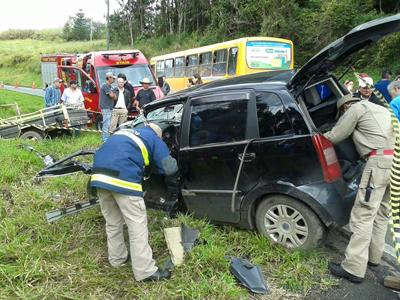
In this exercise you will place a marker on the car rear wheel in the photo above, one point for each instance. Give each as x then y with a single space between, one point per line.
288 222
32 135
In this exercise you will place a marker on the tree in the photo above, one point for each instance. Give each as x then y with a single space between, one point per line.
77 27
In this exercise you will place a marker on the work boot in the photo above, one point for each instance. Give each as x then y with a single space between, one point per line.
158 275
337 270
371 264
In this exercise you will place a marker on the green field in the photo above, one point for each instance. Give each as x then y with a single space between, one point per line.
20 59
68 259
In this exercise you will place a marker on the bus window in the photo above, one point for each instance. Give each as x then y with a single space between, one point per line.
180 66
232 62
160 68
219 66
205 64
169 68
192 64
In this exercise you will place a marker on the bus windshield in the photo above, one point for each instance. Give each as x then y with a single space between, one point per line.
134 73
268 55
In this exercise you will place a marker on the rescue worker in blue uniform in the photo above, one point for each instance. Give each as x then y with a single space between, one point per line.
117 175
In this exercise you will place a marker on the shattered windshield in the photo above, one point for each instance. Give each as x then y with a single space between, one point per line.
166 113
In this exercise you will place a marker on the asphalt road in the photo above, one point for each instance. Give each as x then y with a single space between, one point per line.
371 288
35 92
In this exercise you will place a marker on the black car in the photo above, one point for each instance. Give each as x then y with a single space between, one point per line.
251 152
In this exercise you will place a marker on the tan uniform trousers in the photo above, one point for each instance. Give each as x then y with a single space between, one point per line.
119 116
369 220
116 209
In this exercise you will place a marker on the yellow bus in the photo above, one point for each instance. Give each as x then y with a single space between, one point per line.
223 60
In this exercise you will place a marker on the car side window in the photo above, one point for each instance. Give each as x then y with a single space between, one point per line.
272 116
218 122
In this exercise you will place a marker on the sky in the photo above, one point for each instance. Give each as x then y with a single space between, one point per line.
40 14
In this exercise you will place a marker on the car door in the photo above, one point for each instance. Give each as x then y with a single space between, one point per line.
216 129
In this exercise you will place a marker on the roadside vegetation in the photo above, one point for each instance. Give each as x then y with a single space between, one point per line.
68 259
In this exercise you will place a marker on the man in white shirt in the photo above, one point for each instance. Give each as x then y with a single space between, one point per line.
72 96
122 105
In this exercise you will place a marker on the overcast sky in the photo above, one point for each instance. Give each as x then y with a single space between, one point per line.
39 14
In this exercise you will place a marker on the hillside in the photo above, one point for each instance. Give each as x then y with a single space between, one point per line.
20 59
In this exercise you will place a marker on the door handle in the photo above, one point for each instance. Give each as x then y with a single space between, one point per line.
248 157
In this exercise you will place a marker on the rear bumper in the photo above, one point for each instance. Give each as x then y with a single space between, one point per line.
331 201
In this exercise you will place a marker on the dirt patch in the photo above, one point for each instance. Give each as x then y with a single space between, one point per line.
8 201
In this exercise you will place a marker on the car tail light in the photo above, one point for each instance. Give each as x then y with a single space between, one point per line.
327 157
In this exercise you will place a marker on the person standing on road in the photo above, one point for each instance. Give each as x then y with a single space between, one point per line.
127 86
382 85
145 95
52 93
394 91
364 91
122 106
164 86
107 99
117 175
72 96
372 133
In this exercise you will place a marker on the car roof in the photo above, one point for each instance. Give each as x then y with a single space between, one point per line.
271 78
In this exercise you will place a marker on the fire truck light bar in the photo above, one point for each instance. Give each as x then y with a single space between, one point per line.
134 54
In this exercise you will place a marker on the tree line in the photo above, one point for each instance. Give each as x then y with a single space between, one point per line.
311 24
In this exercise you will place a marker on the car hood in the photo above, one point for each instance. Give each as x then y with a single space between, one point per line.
335 53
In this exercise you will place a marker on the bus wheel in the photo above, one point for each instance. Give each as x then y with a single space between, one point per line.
32 135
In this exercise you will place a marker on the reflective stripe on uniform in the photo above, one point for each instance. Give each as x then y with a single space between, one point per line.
395 179
117 182
138 142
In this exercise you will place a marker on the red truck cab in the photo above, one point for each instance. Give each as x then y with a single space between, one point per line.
90 69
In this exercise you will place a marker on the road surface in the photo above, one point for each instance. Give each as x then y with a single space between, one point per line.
35 92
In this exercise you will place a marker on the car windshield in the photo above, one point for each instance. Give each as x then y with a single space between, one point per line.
134 73
166 113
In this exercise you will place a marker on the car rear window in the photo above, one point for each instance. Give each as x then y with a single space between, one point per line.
272 116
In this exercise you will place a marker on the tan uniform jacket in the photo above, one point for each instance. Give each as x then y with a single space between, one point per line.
370 125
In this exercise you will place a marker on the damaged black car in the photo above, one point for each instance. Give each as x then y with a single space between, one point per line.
251 150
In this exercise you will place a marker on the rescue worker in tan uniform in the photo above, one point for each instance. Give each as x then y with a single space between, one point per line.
372 133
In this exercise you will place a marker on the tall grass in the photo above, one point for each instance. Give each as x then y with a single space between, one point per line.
68 259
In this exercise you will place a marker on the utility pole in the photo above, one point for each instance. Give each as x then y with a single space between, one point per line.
91 29
108 25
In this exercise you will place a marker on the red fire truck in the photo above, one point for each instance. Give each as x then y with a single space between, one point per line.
89 70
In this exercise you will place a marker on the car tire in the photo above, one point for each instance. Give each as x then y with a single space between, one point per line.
289 222
32 135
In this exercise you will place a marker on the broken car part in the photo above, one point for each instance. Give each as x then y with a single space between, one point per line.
47 159
67 165
63 212
248 274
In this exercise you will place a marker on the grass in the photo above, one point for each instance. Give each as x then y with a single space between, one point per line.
26 103
20 59
68 259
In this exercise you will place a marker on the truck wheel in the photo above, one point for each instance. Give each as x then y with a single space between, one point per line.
32 135
288 222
